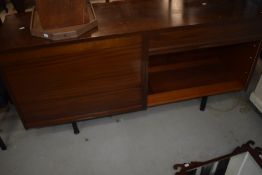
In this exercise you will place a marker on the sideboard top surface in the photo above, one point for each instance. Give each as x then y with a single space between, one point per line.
131 16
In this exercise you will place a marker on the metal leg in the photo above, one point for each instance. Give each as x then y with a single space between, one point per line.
75 127
2 144
203 103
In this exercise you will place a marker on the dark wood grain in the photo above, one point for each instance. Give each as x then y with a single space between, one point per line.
191 74
203 36
241 59
130 16
144 53
55 14
81 81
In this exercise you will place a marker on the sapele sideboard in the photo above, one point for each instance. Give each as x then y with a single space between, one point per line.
143 54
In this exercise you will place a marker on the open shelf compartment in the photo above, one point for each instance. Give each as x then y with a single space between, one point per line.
186 75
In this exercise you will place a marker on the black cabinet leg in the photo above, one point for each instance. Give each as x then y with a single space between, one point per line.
203 103
75 127
2 144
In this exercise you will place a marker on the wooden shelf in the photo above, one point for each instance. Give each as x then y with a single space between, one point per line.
194 92
187 78
189 75
183 65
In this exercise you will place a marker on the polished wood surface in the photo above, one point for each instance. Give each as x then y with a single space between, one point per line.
130 16
80 81
204 36
185 75
144 53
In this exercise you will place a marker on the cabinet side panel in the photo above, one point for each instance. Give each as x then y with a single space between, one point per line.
241 60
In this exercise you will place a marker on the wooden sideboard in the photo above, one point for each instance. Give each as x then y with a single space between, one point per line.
143 53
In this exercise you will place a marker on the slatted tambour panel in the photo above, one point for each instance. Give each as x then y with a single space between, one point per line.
77 81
